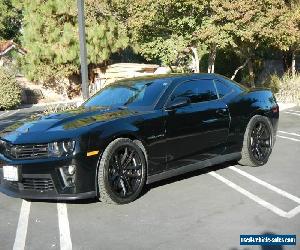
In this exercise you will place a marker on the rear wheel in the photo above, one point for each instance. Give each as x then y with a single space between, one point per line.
121 172
258 142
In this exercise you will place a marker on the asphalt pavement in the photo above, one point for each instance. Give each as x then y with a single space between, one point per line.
207 209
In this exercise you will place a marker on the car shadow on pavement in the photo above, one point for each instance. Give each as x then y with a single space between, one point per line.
186 176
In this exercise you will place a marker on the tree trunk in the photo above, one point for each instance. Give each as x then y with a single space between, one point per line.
293 67
212 59
251 73
287 60
239 68
171 68
196 60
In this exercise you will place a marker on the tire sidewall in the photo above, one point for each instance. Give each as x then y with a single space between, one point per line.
252 123
103 171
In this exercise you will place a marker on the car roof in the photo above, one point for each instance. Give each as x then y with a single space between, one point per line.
178 77
172 76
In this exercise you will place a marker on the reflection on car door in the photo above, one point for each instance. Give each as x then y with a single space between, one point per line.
199 130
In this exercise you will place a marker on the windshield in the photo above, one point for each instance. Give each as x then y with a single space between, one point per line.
136 93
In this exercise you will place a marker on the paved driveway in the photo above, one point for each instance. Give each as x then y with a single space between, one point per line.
206 209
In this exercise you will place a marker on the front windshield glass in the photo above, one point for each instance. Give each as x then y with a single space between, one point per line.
136 93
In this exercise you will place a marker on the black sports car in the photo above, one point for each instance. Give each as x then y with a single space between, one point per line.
135 132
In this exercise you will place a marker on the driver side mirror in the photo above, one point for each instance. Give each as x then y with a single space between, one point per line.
178 102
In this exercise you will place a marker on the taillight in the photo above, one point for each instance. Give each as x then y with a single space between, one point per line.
275 109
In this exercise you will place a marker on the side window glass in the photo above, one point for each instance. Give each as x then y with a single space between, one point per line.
197 91
207 90
186 89
223 89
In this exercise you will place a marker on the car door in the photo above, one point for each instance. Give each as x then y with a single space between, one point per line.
198 130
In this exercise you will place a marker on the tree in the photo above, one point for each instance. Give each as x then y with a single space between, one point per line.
284 32
213 36
10 20
294 13
163 30
245 21
50 34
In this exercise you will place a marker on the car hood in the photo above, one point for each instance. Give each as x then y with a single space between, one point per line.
64 125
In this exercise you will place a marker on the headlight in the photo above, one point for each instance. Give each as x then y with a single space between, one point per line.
2 146
62 148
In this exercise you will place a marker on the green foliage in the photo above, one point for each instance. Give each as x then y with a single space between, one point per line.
163 49
210 31
283 25
273 82
289 88
163 29
243 21
10 90
10 20
253 25
51 37
105 38
170 32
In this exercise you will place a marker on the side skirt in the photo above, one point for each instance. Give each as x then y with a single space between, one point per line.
194 166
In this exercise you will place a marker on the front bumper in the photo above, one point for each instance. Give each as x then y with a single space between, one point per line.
42 179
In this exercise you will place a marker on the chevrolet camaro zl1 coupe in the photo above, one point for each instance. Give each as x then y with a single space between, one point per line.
135 132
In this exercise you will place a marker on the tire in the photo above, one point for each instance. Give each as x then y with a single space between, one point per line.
253 143
121 172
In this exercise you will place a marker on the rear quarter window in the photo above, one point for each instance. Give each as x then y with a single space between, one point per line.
234 85
223 88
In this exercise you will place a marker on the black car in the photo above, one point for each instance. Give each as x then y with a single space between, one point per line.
135 132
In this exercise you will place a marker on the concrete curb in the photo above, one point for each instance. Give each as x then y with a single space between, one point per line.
283 106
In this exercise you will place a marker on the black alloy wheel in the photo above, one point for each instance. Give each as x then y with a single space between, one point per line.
125 171
121 172
258 142
261 141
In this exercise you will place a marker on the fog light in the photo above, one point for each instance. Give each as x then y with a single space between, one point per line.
68 175
71 169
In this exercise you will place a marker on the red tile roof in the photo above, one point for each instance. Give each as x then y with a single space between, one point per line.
6 46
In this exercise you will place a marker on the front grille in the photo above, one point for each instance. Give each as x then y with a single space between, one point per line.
26 151
38 184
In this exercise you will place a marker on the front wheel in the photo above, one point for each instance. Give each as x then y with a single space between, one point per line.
121 172
258 142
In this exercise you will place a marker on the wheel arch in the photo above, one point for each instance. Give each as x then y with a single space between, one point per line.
259 111
126 134
135 138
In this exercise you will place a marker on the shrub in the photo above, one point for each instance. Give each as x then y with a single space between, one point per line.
273 82
289 89
10 91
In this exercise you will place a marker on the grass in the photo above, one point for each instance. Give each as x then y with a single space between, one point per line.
289 89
